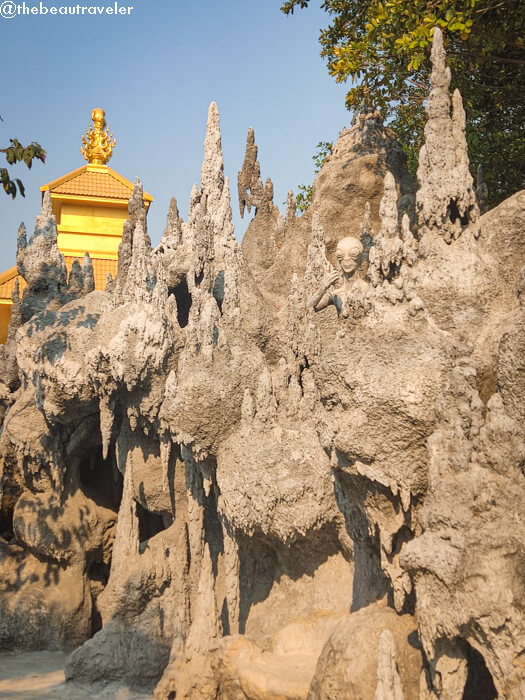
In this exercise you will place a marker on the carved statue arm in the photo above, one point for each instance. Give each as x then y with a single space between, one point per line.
321 298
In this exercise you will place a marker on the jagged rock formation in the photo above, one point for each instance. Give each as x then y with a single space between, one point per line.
291 470
353 175
446 200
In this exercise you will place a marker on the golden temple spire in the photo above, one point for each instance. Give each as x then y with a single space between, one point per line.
98 143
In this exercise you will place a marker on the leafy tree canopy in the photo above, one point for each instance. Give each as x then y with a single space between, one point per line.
15 154
383 48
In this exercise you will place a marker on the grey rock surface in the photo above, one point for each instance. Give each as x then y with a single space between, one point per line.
288 469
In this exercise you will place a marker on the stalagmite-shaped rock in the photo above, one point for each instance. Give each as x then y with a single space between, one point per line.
291 207
249 184
76 279
388 679
212 171
264 235
446 200
173 231
88 276
16 313
41 264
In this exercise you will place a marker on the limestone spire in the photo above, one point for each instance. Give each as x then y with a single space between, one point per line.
446 201
317 264
88 281
41 264
291 207
252 192
46 219
16 312
388 208
173 231
75 282
212 171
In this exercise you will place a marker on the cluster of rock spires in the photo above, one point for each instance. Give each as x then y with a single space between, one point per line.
212 489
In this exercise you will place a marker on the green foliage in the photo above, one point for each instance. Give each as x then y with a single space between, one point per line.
304 196
17 153
383 48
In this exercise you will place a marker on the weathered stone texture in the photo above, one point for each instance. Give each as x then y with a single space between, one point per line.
288 469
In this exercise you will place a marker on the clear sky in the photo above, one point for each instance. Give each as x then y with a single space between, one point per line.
155 71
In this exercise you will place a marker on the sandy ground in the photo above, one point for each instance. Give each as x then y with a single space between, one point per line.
39 675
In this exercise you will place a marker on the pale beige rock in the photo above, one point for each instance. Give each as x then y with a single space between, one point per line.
357 659
209 449
446 201
353 175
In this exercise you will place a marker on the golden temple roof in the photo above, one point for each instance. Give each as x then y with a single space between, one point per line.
98 181
97 184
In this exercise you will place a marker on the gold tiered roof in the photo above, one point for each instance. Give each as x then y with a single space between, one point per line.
90 205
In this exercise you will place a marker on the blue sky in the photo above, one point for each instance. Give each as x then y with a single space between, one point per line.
155 71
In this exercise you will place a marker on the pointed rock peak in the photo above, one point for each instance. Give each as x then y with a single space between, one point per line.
47 208
437 55
250 187
317 230
75 270
388 207
446 200
291 206
15 295
87 272
16 312
21 240
136 201
212 171
76 279
458 113
86 262
46 218
213 116
173 230
268 189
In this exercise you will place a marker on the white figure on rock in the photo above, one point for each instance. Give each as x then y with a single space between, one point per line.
345 284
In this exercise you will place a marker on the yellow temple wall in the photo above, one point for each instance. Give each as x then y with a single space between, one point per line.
99 219
94 228
74 244
5 315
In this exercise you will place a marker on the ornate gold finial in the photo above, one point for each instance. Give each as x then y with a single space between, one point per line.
98 147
